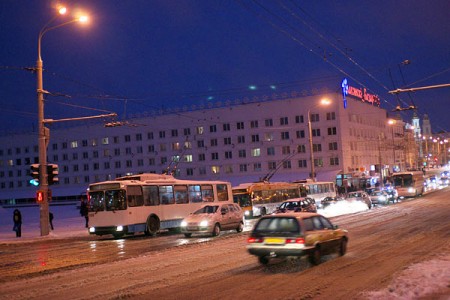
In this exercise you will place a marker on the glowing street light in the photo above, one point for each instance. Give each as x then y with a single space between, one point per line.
43 135
323 102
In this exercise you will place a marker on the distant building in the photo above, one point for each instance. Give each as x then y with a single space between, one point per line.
239 141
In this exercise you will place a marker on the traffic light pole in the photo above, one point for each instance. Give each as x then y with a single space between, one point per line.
42 145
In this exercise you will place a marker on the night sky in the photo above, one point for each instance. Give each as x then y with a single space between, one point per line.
137 56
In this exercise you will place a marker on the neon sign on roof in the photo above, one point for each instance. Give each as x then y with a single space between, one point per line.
361 94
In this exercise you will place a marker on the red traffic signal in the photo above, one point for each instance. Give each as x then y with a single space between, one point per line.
39 196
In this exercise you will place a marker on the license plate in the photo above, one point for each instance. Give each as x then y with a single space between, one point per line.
276 241
192 228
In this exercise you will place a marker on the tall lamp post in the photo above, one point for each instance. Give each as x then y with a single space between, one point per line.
392 123
323 102
43 135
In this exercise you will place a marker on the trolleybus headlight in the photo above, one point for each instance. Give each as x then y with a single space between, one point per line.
91 229
183 224
119 228
204 223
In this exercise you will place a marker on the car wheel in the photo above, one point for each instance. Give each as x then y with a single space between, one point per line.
188 235
240 227
264 260
343 247
315 256
216 230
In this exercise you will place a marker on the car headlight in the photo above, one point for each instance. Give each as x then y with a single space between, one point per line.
411 190
183 224
247 212
119 228
204 223
91 229
382 198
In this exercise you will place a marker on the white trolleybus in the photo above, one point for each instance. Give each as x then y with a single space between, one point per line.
261 198
409 184
317 190
148 202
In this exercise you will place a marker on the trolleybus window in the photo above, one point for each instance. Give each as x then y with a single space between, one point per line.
115 200
207 193
151 197
195 193
97 201
134 196
166 194
181 195
222 192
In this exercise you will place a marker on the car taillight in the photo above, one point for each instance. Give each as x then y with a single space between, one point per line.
252 240
295 241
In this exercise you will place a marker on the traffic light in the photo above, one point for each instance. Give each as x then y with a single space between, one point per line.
39 196
34 172
52 174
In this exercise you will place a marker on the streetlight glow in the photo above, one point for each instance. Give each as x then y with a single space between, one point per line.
83 19
62 10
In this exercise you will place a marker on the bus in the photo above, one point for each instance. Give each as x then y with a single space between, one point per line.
317 190
148 202
261 198
409 184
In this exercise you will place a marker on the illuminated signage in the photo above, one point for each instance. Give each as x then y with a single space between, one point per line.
359 93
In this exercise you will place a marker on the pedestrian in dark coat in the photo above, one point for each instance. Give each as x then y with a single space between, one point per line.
84 212
17 218
50 218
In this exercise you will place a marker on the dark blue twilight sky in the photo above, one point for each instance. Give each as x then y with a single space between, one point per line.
142 55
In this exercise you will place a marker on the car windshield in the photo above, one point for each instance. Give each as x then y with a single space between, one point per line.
354 195
208 209
277 225
378 194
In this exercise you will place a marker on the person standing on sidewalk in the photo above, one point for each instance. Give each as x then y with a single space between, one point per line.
84 212
17 218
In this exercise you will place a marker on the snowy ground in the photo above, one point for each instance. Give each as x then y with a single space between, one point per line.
417 281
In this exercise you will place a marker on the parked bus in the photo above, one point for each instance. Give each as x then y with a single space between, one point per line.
409 184
148 202
261 198
317 190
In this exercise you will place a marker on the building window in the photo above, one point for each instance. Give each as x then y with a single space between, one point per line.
300 134
187 131
187 158
139 149
334 161
202 170
302 163
287 164
213 143
299 119
315 132
226 127
187 145
317 147
151 161
331 116
128 151
162 134
257 167
268 122
228 154
129 163
189 172
285 135
116 140
84 143
254 124
255 138
117 165
268 136
106 165
241 139
240 125
243 168
301 148
242 153
138 136
127 138
228 169
162 147
272 165
315 118
318 162
286 150
214 156
199 130
215 169
85 155
227 141
333 146
150 136
201 157
271 151
256 152
213 128
74 144
201 144
332 131
105 141
284 121
174 132
176 146
151 148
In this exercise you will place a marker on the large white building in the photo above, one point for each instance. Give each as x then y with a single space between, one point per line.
237 141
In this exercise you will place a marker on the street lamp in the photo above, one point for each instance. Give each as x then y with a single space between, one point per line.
43 135
392 122
323 102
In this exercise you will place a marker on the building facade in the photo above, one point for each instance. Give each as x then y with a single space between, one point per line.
243 141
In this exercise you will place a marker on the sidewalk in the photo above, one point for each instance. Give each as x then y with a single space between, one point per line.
67 222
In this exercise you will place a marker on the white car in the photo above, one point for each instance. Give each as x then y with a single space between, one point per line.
360 196
212 218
